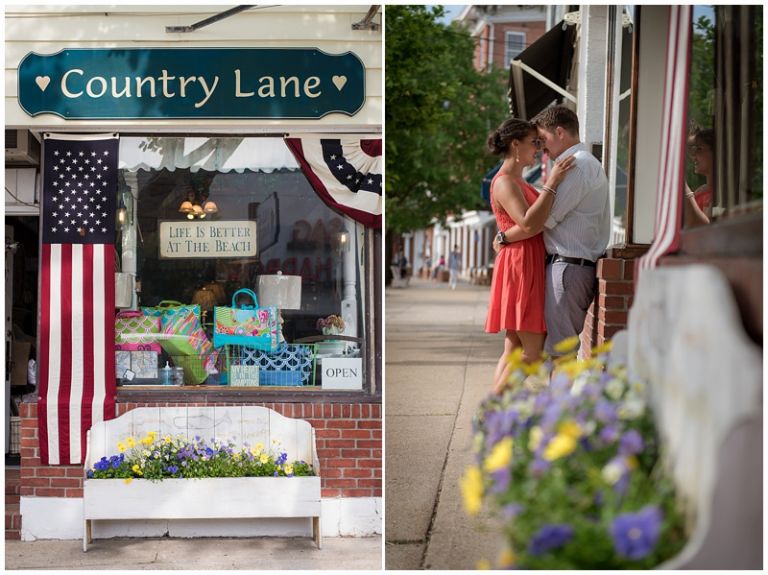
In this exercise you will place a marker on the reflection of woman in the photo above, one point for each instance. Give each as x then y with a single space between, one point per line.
697 205
517 289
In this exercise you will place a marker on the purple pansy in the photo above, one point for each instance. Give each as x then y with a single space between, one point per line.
605 411
631 443
609 434
550 537
512 510
501 479
635 535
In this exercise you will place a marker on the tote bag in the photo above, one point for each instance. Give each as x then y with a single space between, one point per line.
247 325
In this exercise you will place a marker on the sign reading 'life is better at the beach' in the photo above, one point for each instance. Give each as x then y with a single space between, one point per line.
198 239
132 83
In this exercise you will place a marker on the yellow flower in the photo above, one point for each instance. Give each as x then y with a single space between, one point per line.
507 559
500 456
602 348
567 345
259 447
560 446
534 438
128 480
167 439
264 458
147 441
483 565
515 358
120 446
288 469
532 368
569 428
131 442
472 490
136 469
236 456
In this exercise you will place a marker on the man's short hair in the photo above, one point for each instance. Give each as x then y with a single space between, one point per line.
554 116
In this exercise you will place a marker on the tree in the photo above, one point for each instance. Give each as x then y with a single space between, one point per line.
439 111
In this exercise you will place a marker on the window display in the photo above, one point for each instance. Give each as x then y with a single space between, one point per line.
242 275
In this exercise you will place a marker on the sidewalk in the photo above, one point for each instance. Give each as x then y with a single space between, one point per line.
197 554
439 366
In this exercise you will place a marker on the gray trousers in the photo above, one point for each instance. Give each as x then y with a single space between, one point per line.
569 290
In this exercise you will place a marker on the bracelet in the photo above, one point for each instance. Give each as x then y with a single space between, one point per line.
548 189
501 238
689 194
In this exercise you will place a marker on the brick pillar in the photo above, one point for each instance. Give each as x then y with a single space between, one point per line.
615 290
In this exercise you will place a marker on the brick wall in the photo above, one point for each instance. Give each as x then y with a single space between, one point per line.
609 312
348 446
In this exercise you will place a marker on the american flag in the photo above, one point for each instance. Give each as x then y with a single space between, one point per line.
77 292
344 172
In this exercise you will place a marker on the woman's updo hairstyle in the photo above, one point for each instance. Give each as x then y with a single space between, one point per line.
511 129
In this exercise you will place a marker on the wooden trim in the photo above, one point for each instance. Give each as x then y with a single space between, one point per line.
627 251
632 151
213 394
736 236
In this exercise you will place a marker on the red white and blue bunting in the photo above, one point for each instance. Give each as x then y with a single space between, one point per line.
345 172
672 161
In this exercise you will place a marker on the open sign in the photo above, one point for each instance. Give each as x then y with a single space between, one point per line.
342 373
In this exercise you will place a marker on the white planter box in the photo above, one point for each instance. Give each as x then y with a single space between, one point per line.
210 498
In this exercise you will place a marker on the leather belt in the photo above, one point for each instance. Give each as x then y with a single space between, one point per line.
554 258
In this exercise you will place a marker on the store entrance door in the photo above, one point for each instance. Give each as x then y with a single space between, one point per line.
21 278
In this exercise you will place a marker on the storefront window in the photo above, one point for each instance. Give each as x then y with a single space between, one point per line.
207 217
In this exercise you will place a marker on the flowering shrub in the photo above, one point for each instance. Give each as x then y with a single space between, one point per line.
332 322
160 458
574 468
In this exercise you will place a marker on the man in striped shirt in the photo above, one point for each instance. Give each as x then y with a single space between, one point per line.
577 231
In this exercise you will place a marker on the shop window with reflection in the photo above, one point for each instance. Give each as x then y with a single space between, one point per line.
724 170
243 276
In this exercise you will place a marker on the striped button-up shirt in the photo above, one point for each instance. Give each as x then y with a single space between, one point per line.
579 224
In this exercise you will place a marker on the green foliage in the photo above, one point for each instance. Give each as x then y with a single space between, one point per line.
180 458
439 111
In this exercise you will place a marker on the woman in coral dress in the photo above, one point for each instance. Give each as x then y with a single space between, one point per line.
517 290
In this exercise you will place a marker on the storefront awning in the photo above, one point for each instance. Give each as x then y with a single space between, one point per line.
539 74
210 154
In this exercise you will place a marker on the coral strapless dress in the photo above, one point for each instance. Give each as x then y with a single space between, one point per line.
517 289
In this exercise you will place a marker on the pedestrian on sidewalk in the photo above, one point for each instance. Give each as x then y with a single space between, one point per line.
517 289
454 265
576 231
439 267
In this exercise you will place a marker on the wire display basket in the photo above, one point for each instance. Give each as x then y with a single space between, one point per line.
293 365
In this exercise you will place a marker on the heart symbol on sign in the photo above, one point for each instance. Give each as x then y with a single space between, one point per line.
339 82
42 82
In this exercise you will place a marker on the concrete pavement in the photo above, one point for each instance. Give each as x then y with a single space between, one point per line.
439 366
197 554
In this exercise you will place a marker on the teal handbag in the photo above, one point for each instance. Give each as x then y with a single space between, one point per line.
248 325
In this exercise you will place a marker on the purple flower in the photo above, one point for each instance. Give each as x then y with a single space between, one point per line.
499 424
89 474
276 474
501 479
172 469
550 537
609 434
635 534
538 467
512 510
551 416
101 465
559 383
631 443
605 411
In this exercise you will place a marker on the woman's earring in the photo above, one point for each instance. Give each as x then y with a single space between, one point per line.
517 156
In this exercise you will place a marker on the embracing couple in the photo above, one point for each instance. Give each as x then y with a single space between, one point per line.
544 277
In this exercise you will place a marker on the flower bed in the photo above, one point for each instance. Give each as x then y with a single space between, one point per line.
574 468
156 459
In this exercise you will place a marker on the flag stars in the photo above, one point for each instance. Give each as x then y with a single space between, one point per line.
340 166
69 153
55 152
81 154
55 168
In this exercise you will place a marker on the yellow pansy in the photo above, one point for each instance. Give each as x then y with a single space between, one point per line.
532 368
515 359
534 438
602 348
507 559
500 456
136 469
567 345
128 480
168 439
120 446
264 458
236 456
131 442
472 490
288 469
560 446
570 428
